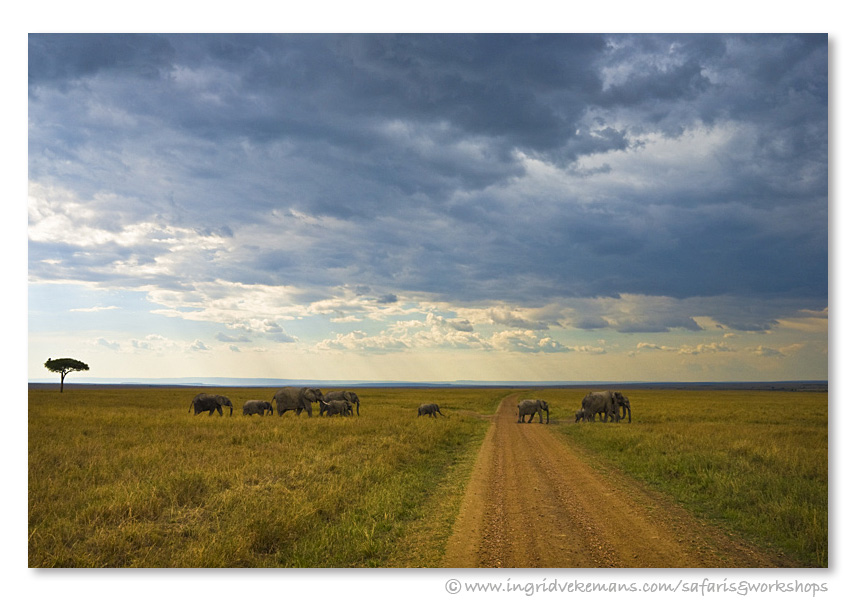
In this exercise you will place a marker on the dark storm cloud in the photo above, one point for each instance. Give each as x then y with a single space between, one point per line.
62 59
397 162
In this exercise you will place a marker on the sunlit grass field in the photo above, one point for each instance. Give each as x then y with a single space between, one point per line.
126 478
753 461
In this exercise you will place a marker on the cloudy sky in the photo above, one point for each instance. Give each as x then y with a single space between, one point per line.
485 207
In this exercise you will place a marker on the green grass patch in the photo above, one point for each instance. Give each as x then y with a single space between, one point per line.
753 461
129 478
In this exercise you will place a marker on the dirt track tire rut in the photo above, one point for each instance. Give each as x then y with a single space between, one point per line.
534 502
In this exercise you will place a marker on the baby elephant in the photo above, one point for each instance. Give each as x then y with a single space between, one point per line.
258 407
336 408
579 415
429 409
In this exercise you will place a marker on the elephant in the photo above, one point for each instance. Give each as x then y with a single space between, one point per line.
429 409
258 407
607 403
623 402
297 399
336 408
531 407
344 395
210 402
579 415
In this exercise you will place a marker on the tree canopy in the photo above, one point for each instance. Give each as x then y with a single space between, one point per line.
64 367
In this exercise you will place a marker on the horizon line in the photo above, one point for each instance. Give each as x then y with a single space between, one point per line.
325 383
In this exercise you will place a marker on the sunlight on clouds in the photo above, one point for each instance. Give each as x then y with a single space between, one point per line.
764 351
707 347
807 321
525 341
253 307
94 309
655 161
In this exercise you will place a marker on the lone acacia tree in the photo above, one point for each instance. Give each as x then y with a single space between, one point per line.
64 367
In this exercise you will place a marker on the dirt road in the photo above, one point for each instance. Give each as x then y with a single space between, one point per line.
534 502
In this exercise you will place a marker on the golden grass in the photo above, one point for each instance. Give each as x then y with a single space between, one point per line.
124 478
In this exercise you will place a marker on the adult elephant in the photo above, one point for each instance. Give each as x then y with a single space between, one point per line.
606 402
258 408
211 403
429 409
344 395
297 400
531 407
336 408
622 401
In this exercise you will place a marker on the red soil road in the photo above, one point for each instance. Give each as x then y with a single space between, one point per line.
534 502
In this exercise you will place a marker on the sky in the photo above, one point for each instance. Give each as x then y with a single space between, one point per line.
568 207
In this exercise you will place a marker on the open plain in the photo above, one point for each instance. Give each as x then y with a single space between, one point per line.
125 477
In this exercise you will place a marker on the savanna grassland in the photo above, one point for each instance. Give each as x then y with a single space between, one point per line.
127 477
753 461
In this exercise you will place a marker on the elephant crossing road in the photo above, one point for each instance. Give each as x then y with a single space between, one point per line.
531 407
607 403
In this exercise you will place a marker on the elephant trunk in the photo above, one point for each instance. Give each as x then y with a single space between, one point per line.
629 413
230 410
548 412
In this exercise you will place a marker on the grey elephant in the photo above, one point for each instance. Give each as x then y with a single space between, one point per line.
336 407
531 407
297 400
607 403
211 403
579 415
258 408
344 395
622 401
429 409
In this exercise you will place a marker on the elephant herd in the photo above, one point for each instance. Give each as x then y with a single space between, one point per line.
338 402
606 403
